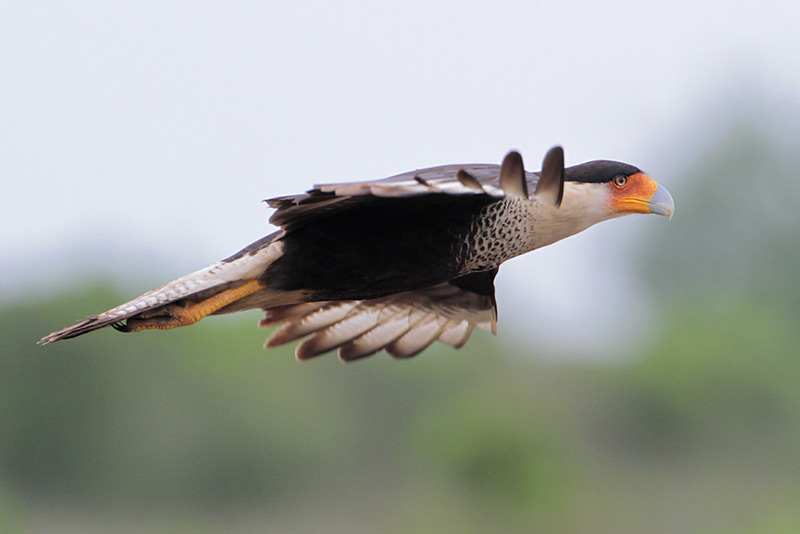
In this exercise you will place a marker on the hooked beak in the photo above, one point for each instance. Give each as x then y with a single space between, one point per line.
661 203
642 195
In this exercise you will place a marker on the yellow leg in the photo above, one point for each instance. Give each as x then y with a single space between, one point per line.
186 313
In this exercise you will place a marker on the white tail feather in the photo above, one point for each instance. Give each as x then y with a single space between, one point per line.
219 276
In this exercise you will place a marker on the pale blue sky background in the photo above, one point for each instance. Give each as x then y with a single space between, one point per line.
142 136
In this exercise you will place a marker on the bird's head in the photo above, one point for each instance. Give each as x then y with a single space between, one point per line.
617 189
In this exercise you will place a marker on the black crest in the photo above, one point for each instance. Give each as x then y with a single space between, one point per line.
599 171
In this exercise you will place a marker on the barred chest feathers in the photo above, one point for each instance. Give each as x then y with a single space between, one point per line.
513 226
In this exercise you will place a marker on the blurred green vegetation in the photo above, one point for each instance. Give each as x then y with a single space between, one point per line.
198 430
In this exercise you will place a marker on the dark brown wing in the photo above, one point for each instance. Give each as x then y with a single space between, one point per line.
466 179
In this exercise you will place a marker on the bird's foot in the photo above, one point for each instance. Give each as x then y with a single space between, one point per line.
186 312
165 318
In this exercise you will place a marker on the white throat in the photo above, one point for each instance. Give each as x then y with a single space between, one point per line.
583 205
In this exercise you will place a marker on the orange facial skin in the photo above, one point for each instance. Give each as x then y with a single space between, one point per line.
632 194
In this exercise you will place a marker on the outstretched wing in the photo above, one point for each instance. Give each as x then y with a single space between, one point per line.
466 179
403 324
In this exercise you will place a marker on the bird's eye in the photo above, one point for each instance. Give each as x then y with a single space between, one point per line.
620 181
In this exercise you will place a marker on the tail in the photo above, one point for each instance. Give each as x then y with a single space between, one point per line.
245 265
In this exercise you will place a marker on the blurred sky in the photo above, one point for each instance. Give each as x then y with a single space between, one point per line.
142 136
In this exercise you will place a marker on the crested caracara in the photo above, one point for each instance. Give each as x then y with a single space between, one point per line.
393 264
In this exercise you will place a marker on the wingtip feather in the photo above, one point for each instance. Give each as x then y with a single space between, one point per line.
550 188
512 175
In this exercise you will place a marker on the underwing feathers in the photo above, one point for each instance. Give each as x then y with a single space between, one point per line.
403 324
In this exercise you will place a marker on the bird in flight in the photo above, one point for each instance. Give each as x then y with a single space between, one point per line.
393 264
